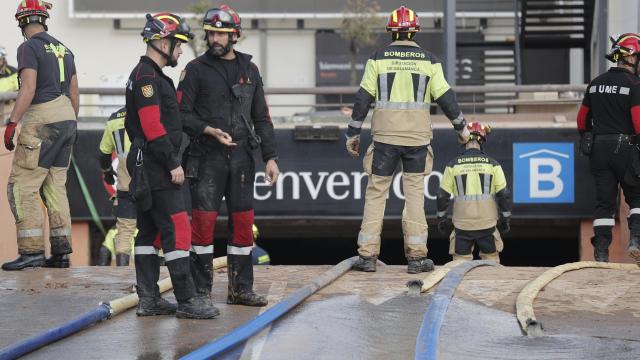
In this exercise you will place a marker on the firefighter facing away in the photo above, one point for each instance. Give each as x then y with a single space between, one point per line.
226 115
609 122
154 124
115 140
402 79
47 107
8 74
481 200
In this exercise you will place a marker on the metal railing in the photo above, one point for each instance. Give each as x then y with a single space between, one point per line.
487 98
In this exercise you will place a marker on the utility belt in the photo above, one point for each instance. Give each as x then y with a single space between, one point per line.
588 139
623 139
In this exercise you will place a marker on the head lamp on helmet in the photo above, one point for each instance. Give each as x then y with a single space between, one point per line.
222 19
622 46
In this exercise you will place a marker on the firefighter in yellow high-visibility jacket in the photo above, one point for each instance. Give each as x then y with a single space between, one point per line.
115 140
402 79
481 200
8 74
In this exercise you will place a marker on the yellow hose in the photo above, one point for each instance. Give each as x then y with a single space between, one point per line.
438 274
524 303
127 302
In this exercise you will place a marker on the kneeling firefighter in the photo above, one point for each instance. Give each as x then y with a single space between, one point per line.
481 199
226 114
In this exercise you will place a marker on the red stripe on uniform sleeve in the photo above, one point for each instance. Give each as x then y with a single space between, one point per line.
179 94
582 118
635 118
150 121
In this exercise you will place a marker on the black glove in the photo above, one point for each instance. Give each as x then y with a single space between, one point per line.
109 176
444 225
503 225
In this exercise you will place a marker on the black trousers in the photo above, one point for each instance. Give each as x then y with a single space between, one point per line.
610 166
465 239
228 173
166 225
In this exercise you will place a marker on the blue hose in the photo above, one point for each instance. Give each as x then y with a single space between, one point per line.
35 342
261 321
429 335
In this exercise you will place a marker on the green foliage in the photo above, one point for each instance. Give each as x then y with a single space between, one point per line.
359 28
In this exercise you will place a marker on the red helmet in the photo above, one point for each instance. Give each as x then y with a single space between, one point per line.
625 45
166 25
223 19
30 11
478 131
403 19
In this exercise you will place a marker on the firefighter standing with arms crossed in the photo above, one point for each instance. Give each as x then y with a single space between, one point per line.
154 124
481 199
226 114
47 106
116 140
609 122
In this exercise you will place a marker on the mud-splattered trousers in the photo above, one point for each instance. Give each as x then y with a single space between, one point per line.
380 163
229 173
39 173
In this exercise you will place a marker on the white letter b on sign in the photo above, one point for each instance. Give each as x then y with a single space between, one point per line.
553 177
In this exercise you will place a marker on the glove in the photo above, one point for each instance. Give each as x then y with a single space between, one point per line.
503 225
463 135
444 225
353 146
9 133
109 176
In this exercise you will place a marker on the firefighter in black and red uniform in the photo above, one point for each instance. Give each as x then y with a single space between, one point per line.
610 115
226 114
154 162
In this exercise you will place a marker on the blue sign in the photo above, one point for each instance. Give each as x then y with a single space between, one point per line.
543 173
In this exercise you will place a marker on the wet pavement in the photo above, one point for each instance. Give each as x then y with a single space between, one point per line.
589 314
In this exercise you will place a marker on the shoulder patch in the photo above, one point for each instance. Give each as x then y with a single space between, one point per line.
147 91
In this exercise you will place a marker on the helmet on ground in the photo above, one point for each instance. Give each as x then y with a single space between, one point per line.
223 19
403 19
32 11
478 131
166 25
623 45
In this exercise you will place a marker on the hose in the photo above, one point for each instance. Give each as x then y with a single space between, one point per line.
250 328
524 302
102 312
429 335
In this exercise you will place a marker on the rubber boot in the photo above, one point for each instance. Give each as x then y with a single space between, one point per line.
196 308
240 270
155 305
419 265
365 263
57 261
104 256
122 259
24 261
600 248
634 247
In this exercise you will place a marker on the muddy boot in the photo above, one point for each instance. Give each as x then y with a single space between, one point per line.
240 269
634 247
24 261
104 256
151 306
600 248
57 261
419 265
365 263
202 272
122 259
196 308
